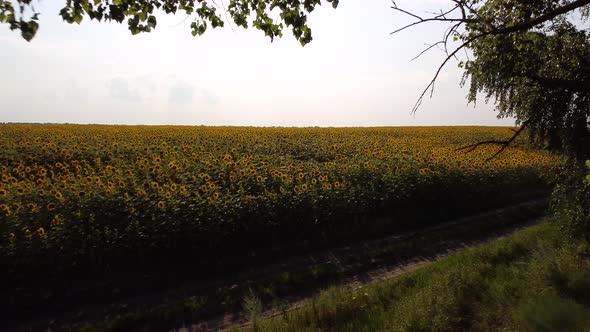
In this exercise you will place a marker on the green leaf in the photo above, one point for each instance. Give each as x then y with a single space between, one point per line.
152 21
194 29
78 18
29 29
588 164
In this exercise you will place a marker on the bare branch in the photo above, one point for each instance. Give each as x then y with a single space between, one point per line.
226 17
430 85
427 49
461 6
503 144
448 34
442 17
406 12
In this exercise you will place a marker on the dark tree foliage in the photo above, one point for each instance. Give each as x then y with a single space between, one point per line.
141 14
531 58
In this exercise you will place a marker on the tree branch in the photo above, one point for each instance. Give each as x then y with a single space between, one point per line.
541 19
438 18
573 85
427 49
430 85
491 30
504 144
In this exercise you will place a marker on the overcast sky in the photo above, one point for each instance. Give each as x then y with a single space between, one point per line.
352 74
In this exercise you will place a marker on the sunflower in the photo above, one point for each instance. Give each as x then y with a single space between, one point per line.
41 232
3 192
5 208
51 206
161 205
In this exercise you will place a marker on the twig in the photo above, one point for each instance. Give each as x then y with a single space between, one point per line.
430 85
442 17
427 49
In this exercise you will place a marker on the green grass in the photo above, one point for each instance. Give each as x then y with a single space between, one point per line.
310 279
529 281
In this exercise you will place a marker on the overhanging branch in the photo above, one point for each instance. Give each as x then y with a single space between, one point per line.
484 29
442 17
430 85
572 85
503 144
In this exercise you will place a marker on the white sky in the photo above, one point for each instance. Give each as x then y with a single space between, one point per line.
352 74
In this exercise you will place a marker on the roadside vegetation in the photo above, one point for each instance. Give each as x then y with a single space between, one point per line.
533 280
537 279
288 284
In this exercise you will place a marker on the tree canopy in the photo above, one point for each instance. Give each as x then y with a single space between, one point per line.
141 14
530 58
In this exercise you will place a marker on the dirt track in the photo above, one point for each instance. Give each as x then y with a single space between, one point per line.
356 275
355 266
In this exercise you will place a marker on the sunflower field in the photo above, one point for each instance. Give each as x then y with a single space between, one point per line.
97 197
